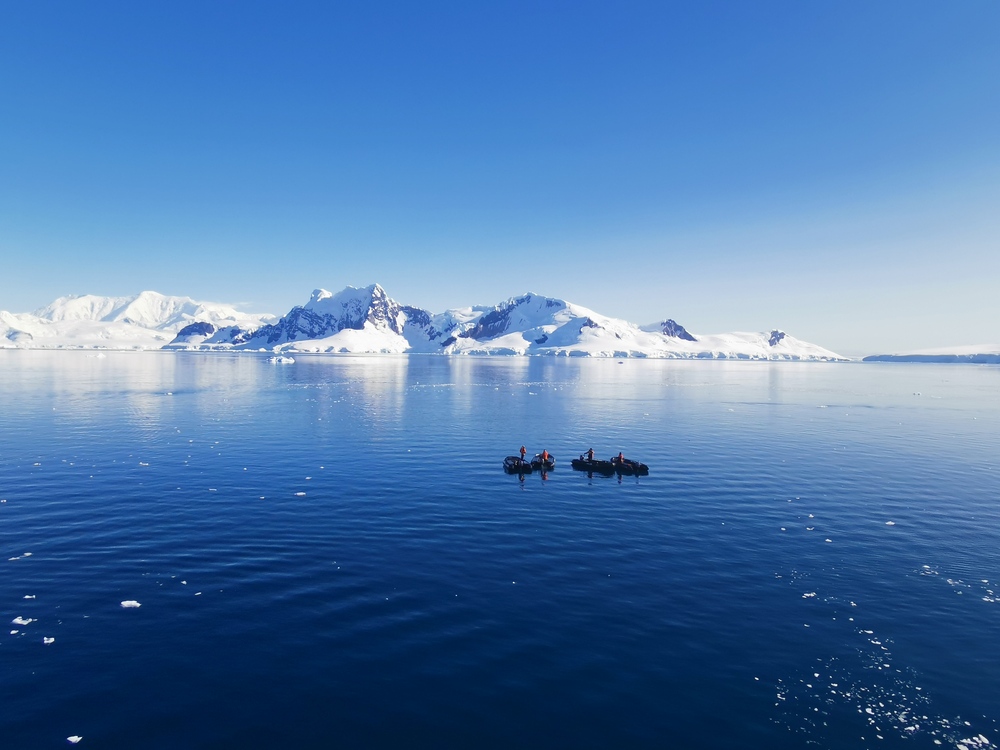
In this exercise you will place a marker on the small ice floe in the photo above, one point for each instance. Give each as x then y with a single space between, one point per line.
25 554
281 360
14 632
23 620
143 463
73 739
828 540
29 596
130 604
810 595
47 640
890 523
300 494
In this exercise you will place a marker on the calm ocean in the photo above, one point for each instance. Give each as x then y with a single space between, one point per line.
327 554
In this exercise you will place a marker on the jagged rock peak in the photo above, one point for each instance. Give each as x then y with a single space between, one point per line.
776 337
675 330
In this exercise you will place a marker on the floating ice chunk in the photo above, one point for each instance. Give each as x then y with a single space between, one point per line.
47 641
130 604
74 738
23 620
25 554
29 596
14 632
810 595
828 540
893 523
300 494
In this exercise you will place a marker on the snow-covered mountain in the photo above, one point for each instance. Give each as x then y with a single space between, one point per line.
145 321
368 320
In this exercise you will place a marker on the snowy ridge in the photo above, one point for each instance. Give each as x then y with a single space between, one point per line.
367 320
148 320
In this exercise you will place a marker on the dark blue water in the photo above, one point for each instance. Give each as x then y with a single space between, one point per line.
328 554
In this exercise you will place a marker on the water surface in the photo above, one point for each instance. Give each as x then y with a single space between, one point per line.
328 554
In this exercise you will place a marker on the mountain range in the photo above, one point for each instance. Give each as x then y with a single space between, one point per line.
367 320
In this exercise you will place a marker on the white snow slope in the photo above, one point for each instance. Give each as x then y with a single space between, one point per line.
148 320
367 320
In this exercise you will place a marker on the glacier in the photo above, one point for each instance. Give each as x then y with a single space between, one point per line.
367 320
147 320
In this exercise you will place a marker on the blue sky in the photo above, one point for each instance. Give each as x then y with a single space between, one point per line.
830 168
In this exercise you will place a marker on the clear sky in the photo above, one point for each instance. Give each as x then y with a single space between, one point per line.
829 168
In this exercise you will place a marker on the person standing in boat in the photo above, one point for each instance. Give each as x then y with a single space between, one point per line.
590 455
545 455
621 457
523 452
